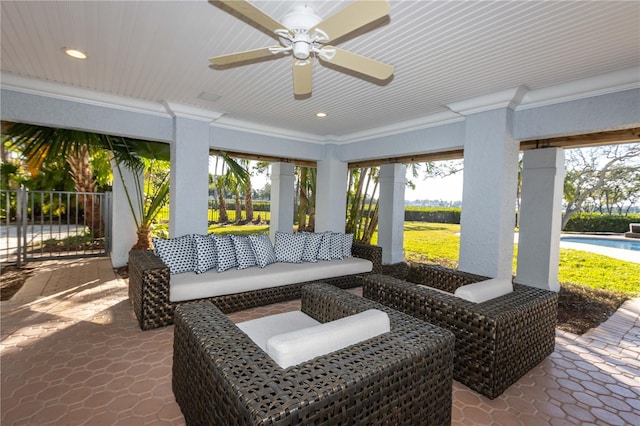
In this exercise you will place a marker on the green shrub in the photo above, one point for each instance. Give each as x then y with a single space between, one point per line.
261 206
597 222
432 214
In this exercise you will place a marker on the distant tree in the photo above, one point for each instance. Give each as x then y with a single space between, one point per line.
605 175
362 193
228 174
248 193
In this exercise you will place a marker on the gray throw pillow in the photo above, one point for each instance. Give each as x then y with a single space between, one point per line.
262 249
176 253
311 247
244 253
206 255
289 247
226 252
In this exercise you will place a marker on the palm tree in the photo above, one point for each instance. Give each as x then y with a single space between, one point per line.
362 214
228 174
307 197
40 144
248 193
145 205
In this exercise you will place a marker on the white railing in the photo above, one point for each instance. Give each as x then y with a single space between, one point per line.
50 224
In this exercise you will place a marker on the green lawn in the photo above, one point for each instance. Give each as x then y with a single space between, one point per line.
440 243
238 230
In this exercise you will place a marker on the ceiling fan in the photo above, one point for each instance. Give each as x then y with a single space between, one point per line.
304 35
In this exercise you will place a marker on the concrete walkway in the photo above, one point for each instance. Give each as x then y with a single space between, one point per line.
72 353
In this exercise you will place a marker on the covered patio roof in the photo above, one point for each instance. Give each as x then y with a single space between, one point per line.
478 77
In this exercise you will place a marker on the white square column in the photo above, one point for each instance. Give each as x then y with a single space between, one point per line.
489 194
331 192
391 212
189 177
540 218
282 193
123 225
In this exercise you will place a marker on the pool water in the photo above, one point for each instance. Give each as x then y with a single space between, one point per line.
619 244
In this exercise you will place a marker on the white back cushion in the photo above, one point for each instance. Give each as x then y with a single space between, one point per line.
484 290
294 347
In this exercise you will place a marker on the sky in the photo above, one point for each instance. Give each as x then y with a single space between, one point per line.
447 189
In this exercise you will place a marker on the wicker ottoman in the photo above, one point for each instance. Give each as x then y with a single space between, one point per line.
221 377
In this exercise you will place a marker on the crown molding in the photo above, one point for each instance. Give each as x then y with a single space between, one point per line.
518 98
271 131
64 92
603 84
431 120
509 98
191 112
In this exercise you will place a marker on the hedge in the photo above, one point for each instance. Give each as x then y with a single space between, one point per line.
597 222
258 206
432 214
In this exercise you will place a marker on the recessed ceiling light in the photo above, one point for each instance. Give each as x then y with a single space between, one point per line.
75 53
321 114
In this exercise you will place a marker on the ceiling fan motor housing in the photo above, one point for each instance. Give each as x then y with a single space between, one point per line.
298 21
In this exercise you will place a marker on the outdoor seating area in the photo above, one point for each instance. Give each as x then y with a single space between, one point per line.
73 353
497 341
150 285
220 376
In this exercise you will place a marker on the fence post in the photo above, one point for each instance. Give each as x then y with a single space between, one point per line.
20 214
107 219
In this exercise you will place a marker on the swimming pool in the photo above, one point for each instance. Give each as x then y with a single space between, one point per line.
605 242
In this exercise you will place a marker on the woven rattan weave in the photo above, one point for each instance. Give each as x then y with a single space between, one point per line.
149 288
404 377
497 341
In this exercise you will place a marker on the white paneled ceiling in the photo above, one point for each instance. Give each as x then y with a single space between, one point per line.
442 51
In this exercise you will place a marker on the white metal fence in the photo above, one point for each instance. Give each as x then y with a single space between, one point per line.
49 224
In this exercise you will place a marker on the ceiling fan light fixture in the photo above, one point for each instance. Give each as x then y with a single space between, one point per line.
301 50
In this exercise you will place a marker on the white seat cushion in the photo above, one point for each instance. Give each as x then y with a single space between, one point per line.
262 329
484 290
297 346
191 286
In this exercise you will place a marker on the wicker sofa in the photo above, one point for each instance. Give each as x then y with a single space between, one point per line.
497 341
149 287
403 377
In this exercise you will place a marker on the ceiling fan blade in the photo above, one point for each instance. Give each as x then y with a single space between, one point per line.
248 55
252 13
354 16
302 78
358 63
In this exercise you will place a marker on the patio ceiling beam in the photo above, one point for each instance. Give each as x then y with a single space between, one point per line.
266 158
574 141
590 139
419 158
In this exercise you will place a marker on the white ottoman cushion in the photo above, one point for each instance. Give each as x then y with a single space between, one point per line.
484 290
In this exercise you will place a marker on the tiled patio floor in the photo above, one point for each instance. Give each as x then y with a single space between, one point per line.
72 354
